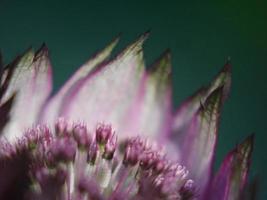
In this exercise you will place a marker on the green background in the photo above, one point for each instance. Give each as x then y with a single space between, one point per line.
201 35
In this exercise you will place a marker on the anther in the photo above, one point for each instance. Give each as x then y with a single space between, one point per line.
61 127
81 135
92 153
103 132
64 149
147 160
110 147
131 156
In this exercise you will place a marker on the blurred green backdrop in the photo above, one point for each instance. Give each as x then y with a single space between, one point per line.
200 35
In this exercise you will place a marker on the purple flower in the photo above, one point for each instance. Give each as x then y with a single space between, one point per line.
111 133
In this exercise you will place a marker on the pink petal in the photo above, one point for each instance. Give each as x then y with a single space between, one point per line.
52 109
13 73
106 93
198 144
231 178
150 114
31 81
188 108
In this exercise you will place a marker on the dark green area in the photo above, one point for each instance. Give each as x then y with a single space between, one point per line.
200 35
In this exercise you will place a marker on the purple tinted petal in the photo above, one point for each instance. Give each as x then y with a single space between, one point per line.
6 75
198 144
183 118
14 74
106 93
188 108
231 178
31 80
222 79
150 114
51 110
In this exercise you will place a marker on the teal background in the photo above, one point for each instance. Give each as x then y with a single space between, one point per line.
201 35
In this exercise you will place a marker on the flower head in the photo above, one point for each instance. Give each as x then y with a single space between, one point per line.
110 132
58 161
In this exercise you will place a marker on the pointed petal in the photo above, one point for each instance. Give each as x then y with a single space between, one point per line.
31 80
222 79
188 108
51 110
198 144
6 74
231 178
153 102
16 74
111 87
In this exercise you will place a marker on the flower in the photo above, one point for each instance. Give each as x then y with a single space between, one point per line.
110 132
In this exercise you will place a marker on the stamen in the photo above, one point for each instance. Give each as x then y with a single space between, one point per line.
64 149
103 133
81 135
110 147
92 153
61 127
75 160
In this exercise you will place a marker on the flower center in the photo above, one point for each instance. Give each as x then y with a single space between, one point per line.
70 162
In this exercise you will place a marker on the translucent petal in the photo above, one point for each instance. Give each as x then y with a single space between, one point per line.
231 178
150 114
199 142
188 108
106 93
30 79
51 110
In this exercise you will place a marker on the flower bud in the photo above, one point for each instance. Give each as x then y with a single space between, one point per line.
131 156
92 153
64 149
110 147
81 135
61 127
147 160
103 132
